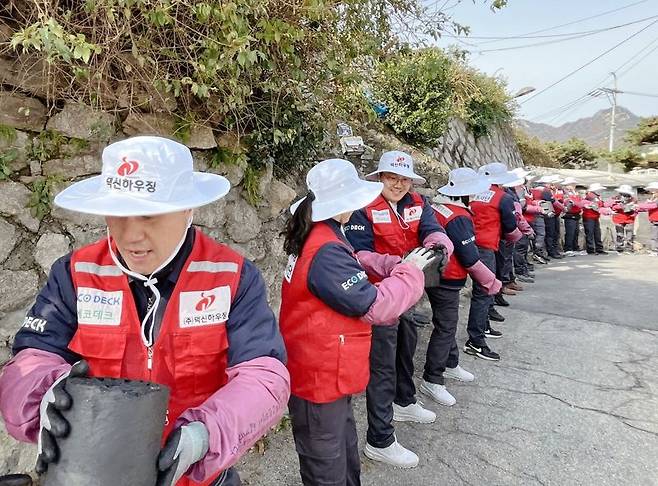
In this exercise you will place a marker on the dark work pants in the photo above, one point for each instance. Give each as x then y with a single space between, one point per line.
593 235
391 377
539 226
625 236
572 233
480 302
552 235
506 251
326 442
442 348
521 256
229 477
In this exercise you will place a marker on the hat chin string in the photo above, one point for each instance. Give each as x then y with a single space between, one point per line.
149 282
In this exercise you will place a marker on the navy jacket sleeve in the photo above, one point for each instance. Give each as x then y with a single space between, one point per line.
507 217
359 231
52 321
251 327
461 232
337 279
428 223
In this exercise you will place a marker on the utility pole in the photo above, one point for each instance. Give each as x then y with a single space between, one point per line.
611 93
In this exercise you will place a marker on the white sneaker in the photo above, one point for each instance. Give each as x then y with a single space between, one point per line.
395 455
569 253
438 393
413 413
458 373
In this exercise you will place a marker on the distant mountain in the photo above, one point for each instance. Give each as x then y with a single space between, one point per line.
594 129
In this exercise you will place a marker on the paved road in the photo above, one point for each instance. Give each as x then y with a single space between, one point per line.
574 400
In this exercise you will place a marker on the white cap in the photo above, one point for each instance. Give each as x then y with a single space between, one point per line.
652 186
337 189
521 175
625 189
496 173
143 176
596 187
570 181
396 162
464 181
550 179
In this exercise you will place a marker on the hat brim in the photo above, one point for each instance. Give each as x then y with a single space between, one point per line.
415 178
355 197
466 189
88 196
623 191
501 179
517 182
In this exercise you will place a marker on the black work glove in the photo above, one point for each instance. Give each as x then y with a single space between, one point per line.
185 446
434 270
442 256
52 424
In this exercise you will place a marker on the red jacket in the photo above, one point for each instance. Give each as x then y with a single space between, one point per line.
653 215
190 354
621 215
389 235
454 270
573 201
486 218
592 199
328 352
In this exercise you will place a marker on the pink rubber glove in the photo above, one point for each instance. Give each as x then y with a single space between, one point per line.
436 238
377 264
514 236
485 278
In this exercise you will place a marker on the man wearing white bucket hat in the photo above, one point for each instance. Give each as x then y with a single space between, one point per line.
592 206
494 219
451 210
552 195
521 247
651 205
160 301
394 223
572 214
625 209
327 309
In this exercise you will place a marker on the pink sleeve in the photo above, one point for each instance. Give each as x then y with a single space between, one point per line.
533 209
439 238
396 295
514 236
524 226
240 413
647 206
23 382
485 277
558 205
376 263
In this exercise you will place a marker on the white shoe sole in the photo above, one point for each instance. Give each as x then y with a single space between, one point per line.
489 336
411 418
375 456
428 393
469 351
457 378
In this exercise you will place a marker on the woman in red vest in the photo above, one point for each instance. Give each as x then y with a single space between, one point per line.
592 208
651 205
327 309
625 209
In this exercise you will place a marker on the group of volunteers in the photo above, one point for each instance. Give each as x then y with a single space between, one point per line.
158 300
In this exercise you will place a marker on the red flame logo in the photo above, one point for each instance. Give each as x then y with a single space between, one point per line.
205 302
128 167
400 159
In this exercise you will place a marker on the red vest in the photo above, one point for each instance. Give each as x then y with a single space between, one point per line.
529 217
620 217
390 236
444 214
653 215
328 352
588 213
486 218
190 353
558 195
575 207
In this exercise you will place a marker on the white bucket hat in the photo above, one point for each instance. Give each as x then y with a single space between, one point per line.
396 162
143 176
570 181
653 186
496 173
521 175
625 189
337 189
464 181
596 187
550 179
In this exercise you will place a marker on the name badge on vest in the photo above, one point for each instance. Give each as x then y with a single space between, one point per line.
99 308
383 216
484 197
205 308
290 267
444 211
413 213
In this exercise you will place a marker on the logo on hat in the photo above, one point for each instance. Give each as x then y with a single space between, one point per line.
400 162
205 302
128 167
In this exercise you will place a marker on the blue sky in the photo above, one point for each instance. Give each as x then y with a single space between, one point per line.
541 66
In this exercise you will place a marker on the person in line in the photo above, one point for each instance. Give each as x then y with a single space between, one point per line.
538 208
572 214
592 206
397 221
155 300
625 209
522 268
651 205
551 221
494 218
327 309
451 210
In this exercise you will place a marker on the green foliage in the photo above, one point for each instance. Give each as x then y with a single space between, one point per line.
6 158
46 145
629 157
572 154
7 133
423 89
250 183
645 132
43 192
533 151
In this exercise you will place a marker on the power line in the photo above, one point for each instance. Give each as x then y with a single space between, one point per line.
650 95
632 66
589 62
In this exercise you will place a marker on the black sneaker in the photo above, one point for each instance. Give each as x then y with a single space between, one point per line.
492 333
500 300
494 315
601 252
482 352
539 259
